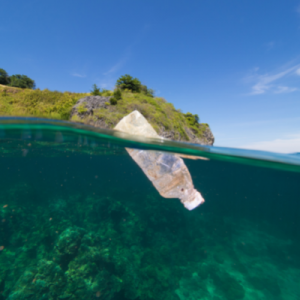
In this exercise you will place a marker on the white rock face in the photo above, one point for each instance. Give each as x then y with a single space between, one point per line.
166 171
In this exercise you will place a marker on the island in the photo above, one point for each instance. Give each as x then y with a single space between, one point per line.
101 108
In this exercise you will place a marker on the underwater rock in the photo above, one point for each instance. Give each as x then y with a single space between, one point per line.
269 286
69 241
167 172
192 287
91 250
90 273
230 287
47 281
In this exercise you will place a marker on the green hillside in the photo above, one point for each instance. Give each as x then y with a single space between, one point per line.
165 119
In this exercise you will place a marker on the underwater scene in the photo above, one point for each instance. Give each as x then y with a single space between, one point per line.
79 219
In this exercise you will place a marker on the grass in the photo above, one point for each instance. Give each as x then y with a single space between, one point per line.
57 105
37 103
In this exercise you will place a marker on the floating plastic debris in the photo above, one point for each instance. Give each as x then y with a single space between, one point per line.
167 172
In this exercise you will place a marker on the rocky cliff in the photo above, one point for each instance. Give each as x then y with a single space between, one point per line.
169 122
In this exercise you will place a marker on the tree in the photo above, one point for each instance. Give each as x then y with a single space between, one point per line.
95 91
150 92
113 101
4 78
128 82
192 119
146 91
117 94
22 81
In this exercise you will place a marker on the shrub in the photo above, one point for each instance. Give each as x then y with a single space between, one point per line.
81 108
4 78
113 101
21 81
146 91
150 92
128 82
117 94
95 91
37 103
75 118
106 93
111 119
191 119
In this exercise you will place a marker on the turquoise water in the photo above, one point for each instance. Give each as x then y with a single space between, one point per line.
80 220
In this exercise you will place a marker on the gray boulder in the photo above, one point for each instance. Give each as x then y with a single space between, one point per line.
90 103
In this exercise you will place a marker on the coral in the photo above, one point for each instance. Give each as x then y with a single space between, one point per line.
69 241
46 281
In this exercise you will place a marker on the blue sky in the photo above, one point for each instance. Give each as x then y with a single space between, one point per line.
234 63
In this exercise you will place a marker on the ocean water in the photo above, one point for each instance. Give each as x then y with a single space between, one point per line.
80 220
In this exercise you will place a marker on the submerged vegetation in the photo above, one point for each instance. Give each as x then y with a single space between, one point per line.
128 95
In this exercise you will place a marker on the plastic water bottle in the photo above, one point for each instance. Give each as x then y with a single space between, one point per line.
166 171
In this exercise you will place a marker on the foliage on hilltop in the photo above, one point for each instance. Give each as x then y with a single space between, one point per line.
4 78
129 83
21 81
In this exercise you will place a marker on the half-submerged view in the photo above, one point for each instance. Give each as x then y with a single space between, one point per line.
89 213
182 183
